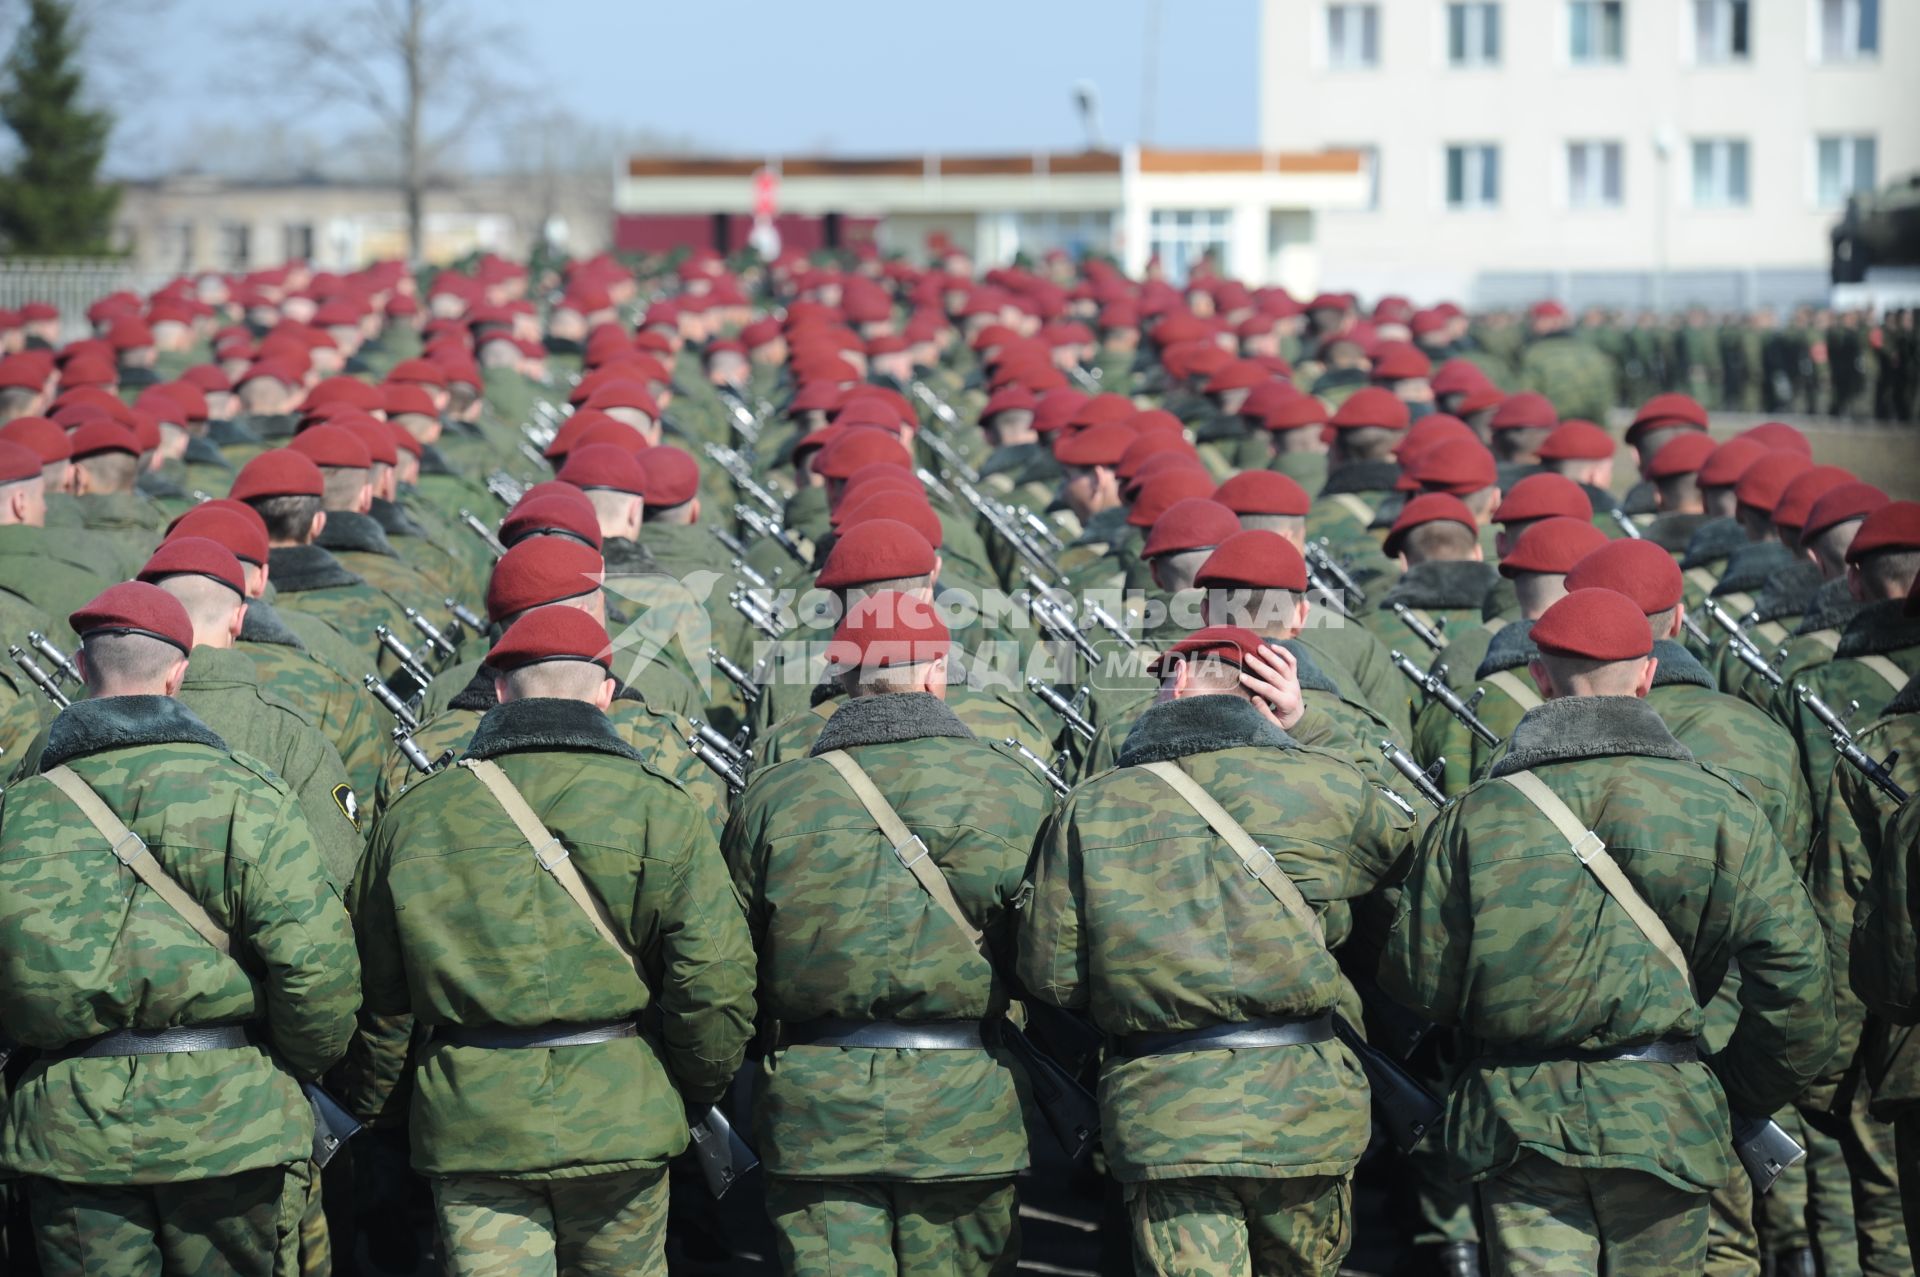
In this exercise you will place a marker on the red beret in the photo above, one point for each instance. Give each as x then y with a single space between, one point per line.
96 437
888 628
333 448
1526 410
1894 526
135 607
1263 492
606 430
625 394
1399 361
1371 406
1101 445
1191 523
209 377
1457 375
20 373
857 448
1428 507
195 556
400 398
1552 546
1294 412
1103 410
760 332
1544 496
279 472
552 634
604 465
129 334
882 501
163 404
1762 482
1430 432
1597 624
347 390
540 571
378 437
1157 422
1577 440
1257 559
1147 445
243 534
1640 570
1779 436
551 513
1726 463
672 475
1667 410
1796 501
1227 644
1458 466
1839 505
875 550
41 436
424 371
1237 374
275 369
1158 494
867 480
193 400
1056 408
1682 454
1014 398
18 463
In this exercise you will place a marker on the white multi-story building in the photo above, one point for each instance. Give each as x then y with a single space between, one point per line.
1621 152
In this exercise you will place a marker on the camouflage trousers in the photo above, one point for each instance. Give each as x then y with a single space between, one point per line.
878 1228
1848 1206
1733 1242
1543 1219
589 1226
1234 1226
245 1225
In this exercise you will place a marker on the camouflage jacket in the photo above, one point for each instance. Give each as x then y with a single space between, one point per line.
1502 702
338 706
58 571
1886 931
1445 596
989 715
1502 931
309 579
458 925
129 517
1878 635
86 949
843 929
1140 914
1351 649
363 548
1572 372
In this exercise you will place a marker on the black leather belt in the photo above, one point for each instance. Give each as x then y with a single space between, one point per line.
1246 1036
1666 1051
887 1035
174 1041
498 1037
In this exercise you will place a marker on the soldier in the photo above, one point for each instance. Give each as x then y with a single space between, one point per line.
1624 1189
1678 507
1829 530
1446 581
1656 423
867 1048
1361 475
1519 427
106 466
187 991
1565 367
54 574
1583 452
619 999
1196 1032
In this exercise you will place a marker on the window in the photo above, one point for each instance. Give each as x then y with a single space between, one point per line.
1182 237
1593 175
1721 31
1849 29
1596 32
1072 233
236 242
1473 35
1719 173
1370 169
1846 166
1353 35
296 242
1473 176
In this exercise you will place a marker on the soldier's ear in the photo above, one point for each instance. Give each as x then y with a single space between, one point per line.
603 699
1541 679
318 525
1645 682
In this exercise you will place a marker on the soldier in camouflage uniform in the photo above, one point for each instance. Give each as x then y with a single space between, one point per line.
1624 1188
848 1075
619 998
1361 477
191 1154
1566 367
1446 582
1197 1033
1829 531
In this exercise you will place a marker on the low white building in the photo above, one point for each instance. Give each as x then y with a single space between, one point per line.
1257 211
1624 152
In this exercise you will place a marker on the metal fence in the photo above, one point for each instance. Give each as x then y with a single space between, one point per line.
72 284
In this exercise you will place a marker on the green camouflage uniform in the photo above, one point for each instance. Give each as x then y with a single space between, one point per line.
1506 691
198 1156
851 1136
1572 372
310 580
1878 651
1579 1160
539 1151
1204 1185
338 705
59 571
1444 595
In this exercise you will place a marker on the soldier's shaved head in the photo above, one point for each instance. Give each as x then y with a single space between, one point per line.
1888 574
109 472
131 665
557 680
1560 676
1442 540
217 612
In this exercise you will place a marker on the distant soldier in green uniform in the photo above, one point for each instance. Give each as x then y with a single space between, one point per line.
106 467
1690 876
1446 581
1566 367
186 990
1215 811
551 1093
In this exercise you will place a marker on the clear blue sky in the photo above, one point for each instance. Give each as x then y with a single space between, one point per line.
849 76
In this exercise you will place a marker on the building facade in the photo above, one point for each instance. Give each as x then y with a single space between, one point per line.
1621 152
1255 212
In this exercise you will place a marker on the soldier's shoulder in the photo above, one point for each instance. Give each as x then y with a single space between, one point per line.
254 769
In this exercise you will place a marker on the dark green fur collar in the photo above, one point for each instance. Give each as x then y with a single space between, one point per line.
434 461
263 625
1678 665
350 531
1672 532
1711 542
1906 700
229 432
202 452
1199 725
1831 608
1510 648
123 722
1008 456
544 724
1362 476
1450 584
628 558
1790 593
394 520
1575 727
1312 677
296 569
1753 566
1879 628
889 719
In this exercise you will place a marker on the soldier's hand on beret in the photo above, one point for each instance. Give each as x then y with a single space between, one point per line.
1273 676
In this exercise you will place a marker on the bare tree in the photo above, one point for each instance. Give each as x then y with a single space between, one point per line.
420 68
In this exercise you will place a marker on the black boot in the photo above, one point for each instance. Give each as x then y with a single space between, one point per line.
1459 1259
1796 1263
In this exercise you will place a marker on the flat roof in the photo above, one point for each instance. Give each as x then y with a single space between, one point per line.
1037 163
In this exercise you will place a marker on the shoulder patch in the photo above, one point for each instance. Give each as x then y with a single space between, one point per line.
349 806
